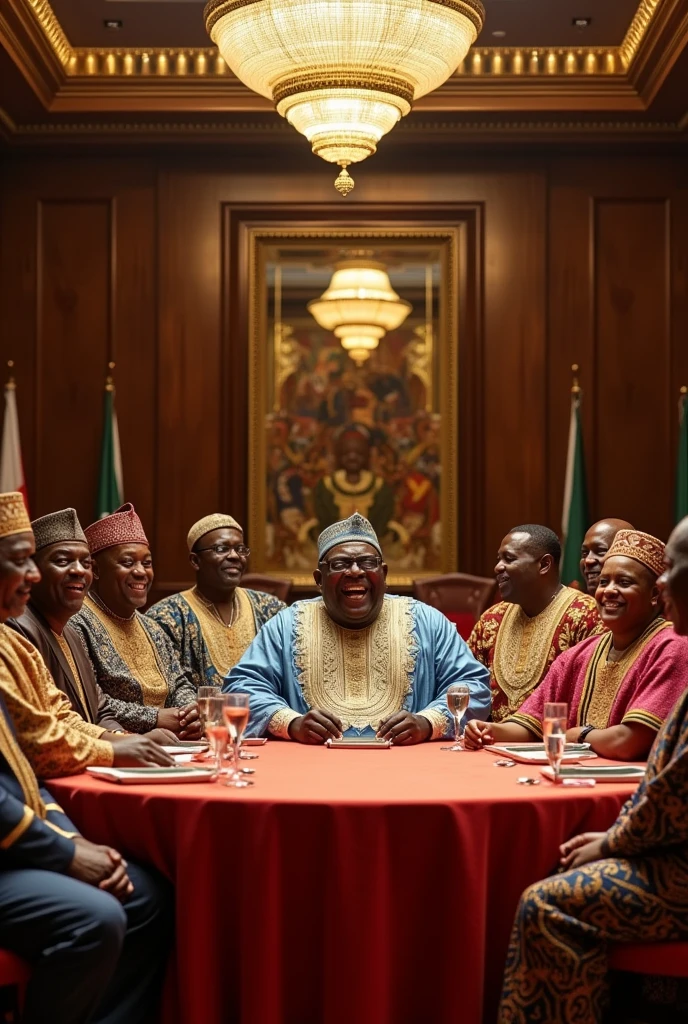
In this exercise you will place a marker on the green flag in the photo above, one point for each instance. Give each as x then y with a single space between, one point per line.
110 489
576 517
681 508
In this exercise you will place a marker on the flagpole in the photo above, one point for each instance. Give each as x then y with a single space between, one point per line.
575 511
681 493
110 486
576 393
11 463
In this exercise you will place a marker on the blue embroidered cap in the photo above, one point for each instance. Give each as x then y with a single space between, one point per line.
356 527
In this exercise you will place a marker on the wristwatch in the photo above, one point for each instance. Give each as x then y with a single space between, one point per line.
584 732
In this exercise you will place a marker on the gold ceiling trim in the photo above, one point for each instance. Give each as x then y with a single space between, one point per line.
481 62
219 128
54 33
206 62
637 31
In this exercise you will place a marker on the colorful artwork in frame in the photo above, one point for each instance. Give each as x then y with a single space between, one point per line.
331 434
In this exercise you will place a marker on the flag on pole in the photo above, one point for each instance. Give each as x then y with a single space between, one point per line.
681 506
110 488
576 517
11 464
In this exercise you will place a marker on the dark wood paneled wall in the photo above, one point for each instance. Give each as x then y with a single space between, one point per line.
138 259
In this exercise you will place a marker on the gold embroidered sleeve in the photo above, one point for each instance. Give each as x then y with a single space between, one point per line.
53 745
280 722
438 721
528 722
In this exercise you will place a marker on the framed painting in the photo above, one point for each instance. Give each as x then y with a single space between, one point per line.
353 348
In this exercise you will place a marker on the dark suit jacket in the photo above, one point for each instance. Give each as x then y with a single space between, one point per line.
26 840
36 630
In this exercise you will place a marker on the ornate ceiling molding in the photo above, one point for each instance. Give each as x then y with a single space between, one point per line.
521 62
70 80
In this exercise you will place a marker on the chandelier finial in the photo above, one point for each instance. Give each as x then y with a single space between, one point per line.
344 183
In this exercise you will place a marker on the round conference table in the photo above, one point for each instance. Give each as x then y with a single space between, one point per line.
366 886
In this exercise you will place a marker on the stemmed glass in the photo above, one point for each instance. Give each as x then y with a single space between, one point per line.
235 712
216 730
458 697
554 734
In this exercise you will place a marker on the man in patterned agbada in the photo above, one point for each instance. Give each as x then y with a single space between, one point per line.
211 625
356 662
629 884
619 687
133 659
537 619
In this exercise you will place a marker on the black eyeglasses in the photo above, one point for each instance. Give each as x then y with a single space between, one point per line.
368 563
223 549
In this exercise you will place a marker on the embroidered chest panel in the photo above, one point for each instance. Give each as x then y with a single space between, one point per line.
361 675
523 645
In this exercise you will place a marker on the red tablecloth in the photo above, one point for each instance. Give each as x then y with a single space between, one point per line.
375 887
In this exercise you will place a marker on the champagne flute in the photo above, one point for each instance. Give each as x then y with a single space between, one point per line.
554 734
204 695
216 731
458 697
235 712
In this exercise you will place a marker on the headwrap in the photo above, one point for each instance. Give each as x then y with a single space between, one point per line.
214 522
643 547
57 528
356 527
122 527
13 515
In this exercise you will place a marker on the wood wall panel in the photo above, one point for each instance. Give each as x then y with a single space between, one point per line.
73 342
632 360
78 282
567 259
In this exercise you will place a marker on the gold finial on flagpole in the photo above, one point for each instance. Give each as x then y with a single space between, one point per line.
11 383
109 380
575 387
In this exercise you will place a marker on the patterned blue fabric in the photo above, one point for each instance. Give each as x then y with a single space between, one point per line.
438 657
180 623
115 678
557 963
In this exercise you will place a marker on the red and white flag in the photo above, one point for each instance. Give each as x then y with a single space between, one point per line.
11 466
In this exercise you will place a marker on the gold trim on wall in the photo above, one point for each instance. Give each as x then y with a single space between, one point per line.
448 240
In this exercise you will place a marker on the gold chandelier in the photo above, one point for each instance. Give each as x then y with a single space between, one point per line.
360 305
343 72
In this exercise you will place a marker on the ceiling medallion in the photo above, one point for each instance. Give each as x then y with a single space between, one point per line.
360 306
343 72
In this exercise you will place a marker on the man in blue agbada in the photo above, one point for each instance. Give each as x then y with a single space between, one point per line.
355 661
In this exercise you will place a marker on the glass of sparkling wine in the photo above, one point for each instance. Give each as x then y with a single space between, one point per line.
554 734
458 697
216 730
204 695
236 717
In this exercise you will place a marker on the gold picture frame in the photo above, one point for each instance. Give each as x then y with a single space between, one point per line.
262 243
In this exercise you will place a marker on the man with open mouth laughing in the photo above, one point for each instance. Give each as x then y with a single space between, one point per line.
134 661
356 662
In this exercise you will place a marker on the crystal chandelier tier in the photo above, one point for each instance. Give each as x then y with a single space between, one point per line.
343 72
360 305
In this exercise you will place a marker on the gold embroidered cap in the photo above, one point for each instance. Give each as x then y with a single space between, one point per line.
643 547
13 515
57 528
356 527
213 522
122 527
